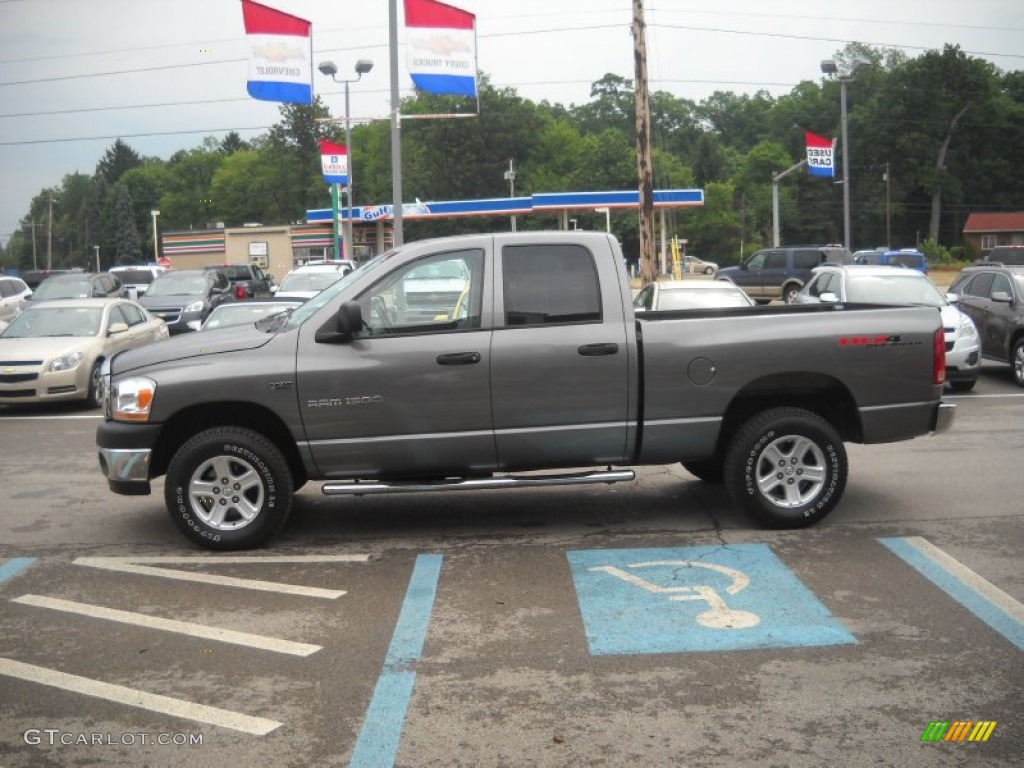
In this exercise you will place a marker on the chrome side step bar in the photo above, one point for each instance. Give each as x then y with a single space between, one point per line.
370 487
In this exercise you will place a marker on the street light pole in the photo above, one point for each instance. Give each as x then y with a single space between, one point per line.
97 249
510 175
362 67
156 241
828 67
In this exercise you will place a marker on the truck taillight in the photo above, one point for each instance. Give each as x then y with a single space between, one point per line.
939 357
240 292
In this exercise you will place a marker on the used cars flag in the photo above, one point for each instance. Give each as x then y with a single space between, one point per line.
334 162
280 54
440 47
820 155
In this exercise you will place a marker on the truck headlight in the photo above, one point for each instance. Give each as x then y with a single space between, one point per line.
131 398
195 306
66 362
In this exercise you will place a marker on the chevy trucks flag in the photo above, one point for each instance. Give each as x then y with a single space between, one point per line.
440 47
820 155
280 54
334 162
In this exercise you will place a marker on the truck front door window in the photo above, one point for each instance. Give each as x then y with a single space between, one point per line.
439 293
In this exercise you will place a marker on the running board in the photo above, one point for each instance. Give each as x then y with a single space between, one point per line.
475 484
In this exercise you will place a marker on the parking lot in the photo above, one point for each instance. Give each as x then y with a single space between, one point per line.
646 623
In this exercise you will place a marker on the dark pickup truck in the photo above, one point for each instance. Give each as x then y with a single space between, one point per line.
247 280
535 362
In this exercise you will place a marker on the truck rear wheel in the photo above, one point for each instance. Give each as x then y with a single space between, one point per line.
786 467
228 488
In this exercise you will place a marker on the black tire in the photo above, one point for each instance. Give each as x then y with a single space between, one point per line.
708 470
963 386
1017 362
252 471
96 390
709 270
794 494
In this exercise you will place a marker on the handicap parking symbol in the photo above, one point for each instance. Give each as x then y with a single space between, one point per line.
689 599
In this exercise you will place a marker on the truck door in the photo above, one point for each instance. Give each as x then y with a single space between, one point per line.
411 393
559 359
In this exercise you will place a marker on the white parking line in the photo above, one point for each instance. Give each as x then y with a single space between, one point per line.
169 625
132 565
131 697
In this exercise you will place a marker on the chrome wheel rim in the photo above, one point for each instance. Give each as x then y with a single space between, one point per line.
226 493
790 471
1018 364
96 386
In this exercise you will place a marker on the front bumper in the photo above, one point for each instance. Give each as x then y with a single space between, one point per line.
33 384
125 452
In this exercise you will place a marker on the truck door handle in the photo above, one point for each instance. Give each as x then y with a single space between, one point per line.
459 358
596 350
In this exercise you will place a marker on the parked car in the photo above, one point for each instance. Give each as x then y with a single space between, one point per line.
347 264
690 294
779 273
1008 255
54 350
993 296
247 280
247 312
136 279
78 285
184 298
308 280
864 284
692 264
910 258
13 291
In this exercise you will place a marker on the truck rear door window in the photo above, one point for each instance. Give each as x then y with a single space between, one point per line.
550 284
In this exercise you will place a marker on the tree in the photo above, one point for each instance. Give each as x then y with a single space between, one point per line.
117 161
127 245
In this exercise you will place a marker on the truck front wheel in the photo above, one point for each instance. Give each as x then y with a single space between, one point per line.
786 467
228 488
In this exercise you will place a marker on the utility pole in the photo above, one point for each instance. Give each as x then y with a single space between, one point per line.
645 174
49 237
888 210
396 126
35 264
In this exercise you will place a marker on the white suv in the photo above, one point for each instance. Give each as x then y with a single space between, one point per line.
307 281
863 284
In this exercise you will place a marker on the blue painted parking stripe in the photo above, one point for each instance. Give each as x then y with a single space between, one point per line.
982 598
379 737
13 567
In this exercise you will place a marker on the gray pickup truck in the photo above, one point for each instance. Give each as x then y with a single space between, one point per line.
527 357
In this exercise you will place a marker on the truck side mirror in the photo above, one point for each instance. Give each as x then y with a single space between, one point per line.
348 321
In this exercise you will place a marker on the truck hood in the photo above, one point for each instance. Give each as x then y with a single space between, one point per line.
235 338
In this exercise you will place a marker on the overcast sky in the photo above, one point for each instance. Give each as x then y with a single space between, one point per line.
77 74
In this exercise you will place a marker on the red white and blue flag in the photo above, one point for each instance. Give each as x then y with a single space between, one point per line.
440 47
280 54
334 162
820 155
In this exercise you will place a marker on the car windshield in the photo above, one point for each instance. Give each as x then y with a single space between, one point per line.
683 298
244 313
178 284
64 288
893 289
40 322
309 281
